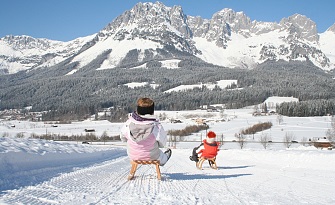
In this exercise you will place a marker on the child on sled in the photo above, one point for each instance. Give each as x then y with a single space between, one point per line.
144 134
207 149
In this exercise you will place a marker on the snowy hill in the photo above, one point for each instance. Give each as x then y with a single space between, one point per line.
34 171
153 31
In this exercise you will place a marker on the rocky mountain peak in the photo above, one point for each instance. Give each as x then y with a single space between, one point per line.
236 20
332 28
149 17
300 27
26 42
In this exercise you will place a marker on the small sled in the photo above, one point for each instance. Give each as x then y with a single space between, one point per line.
211 162
134 164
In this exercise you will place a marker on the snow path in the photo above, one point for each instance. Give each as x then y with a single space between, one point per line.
244 177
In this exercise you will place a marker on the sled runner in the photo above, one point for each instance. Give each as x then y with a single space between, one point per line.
211 162
134 164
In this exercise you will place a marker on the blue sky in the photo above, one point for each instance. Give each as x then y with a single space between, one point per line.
66 20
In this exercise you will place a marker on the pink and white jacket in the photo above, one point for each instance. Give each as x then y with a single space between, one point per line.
144 136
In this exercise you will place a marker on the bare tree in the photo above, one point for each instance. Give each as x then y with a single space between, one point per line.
265 140
241 139
304 141
330 133
104 136
19 135
280 119
91 137
223 115
256 110
162 116
5 134
288 139
172 140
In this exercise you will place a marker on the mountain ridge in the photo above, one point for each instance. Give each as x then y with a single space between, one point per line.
153 31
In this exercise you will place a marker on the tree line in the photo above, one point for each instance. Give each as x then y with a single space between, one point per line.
87 91
307 108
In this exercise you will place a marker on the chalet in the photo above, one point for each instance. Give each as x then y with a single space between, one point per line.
322 143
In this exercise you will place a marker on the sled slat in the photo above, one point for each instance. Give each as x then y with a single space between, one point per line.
134 164
211 161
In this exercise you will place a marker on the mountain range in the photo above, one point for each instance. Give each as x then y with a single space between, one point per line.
151 32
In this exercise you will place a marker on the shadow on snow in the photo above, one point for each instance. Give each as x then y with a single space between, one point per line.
185 176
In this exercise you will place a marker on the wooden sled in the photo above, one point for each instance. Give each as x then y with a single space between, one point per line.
134 164
211 162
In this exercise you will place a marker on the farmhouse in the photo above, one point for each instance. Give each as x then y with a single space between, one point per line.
322 143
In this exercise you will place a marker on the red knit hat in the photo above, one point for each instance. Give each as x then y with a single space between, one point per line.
211 134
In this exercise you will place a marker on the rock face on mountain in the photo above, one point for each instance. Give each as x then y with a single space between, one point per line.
153 31
300 28
332 28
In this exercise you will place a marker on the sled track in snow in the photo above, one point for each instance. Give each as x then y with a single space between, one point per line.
106 183
237 181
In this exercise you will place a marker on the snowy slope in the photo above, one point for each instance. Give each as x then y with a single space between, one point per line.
240 52
248 176
119 51
327 45
221 84
34 171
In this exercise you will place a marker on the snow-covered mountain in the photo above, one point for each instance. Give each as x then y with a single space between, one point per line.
24 52
153 31
327 43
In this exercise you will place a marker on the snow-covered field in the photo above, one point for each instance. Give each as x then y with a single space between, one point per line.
34 171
